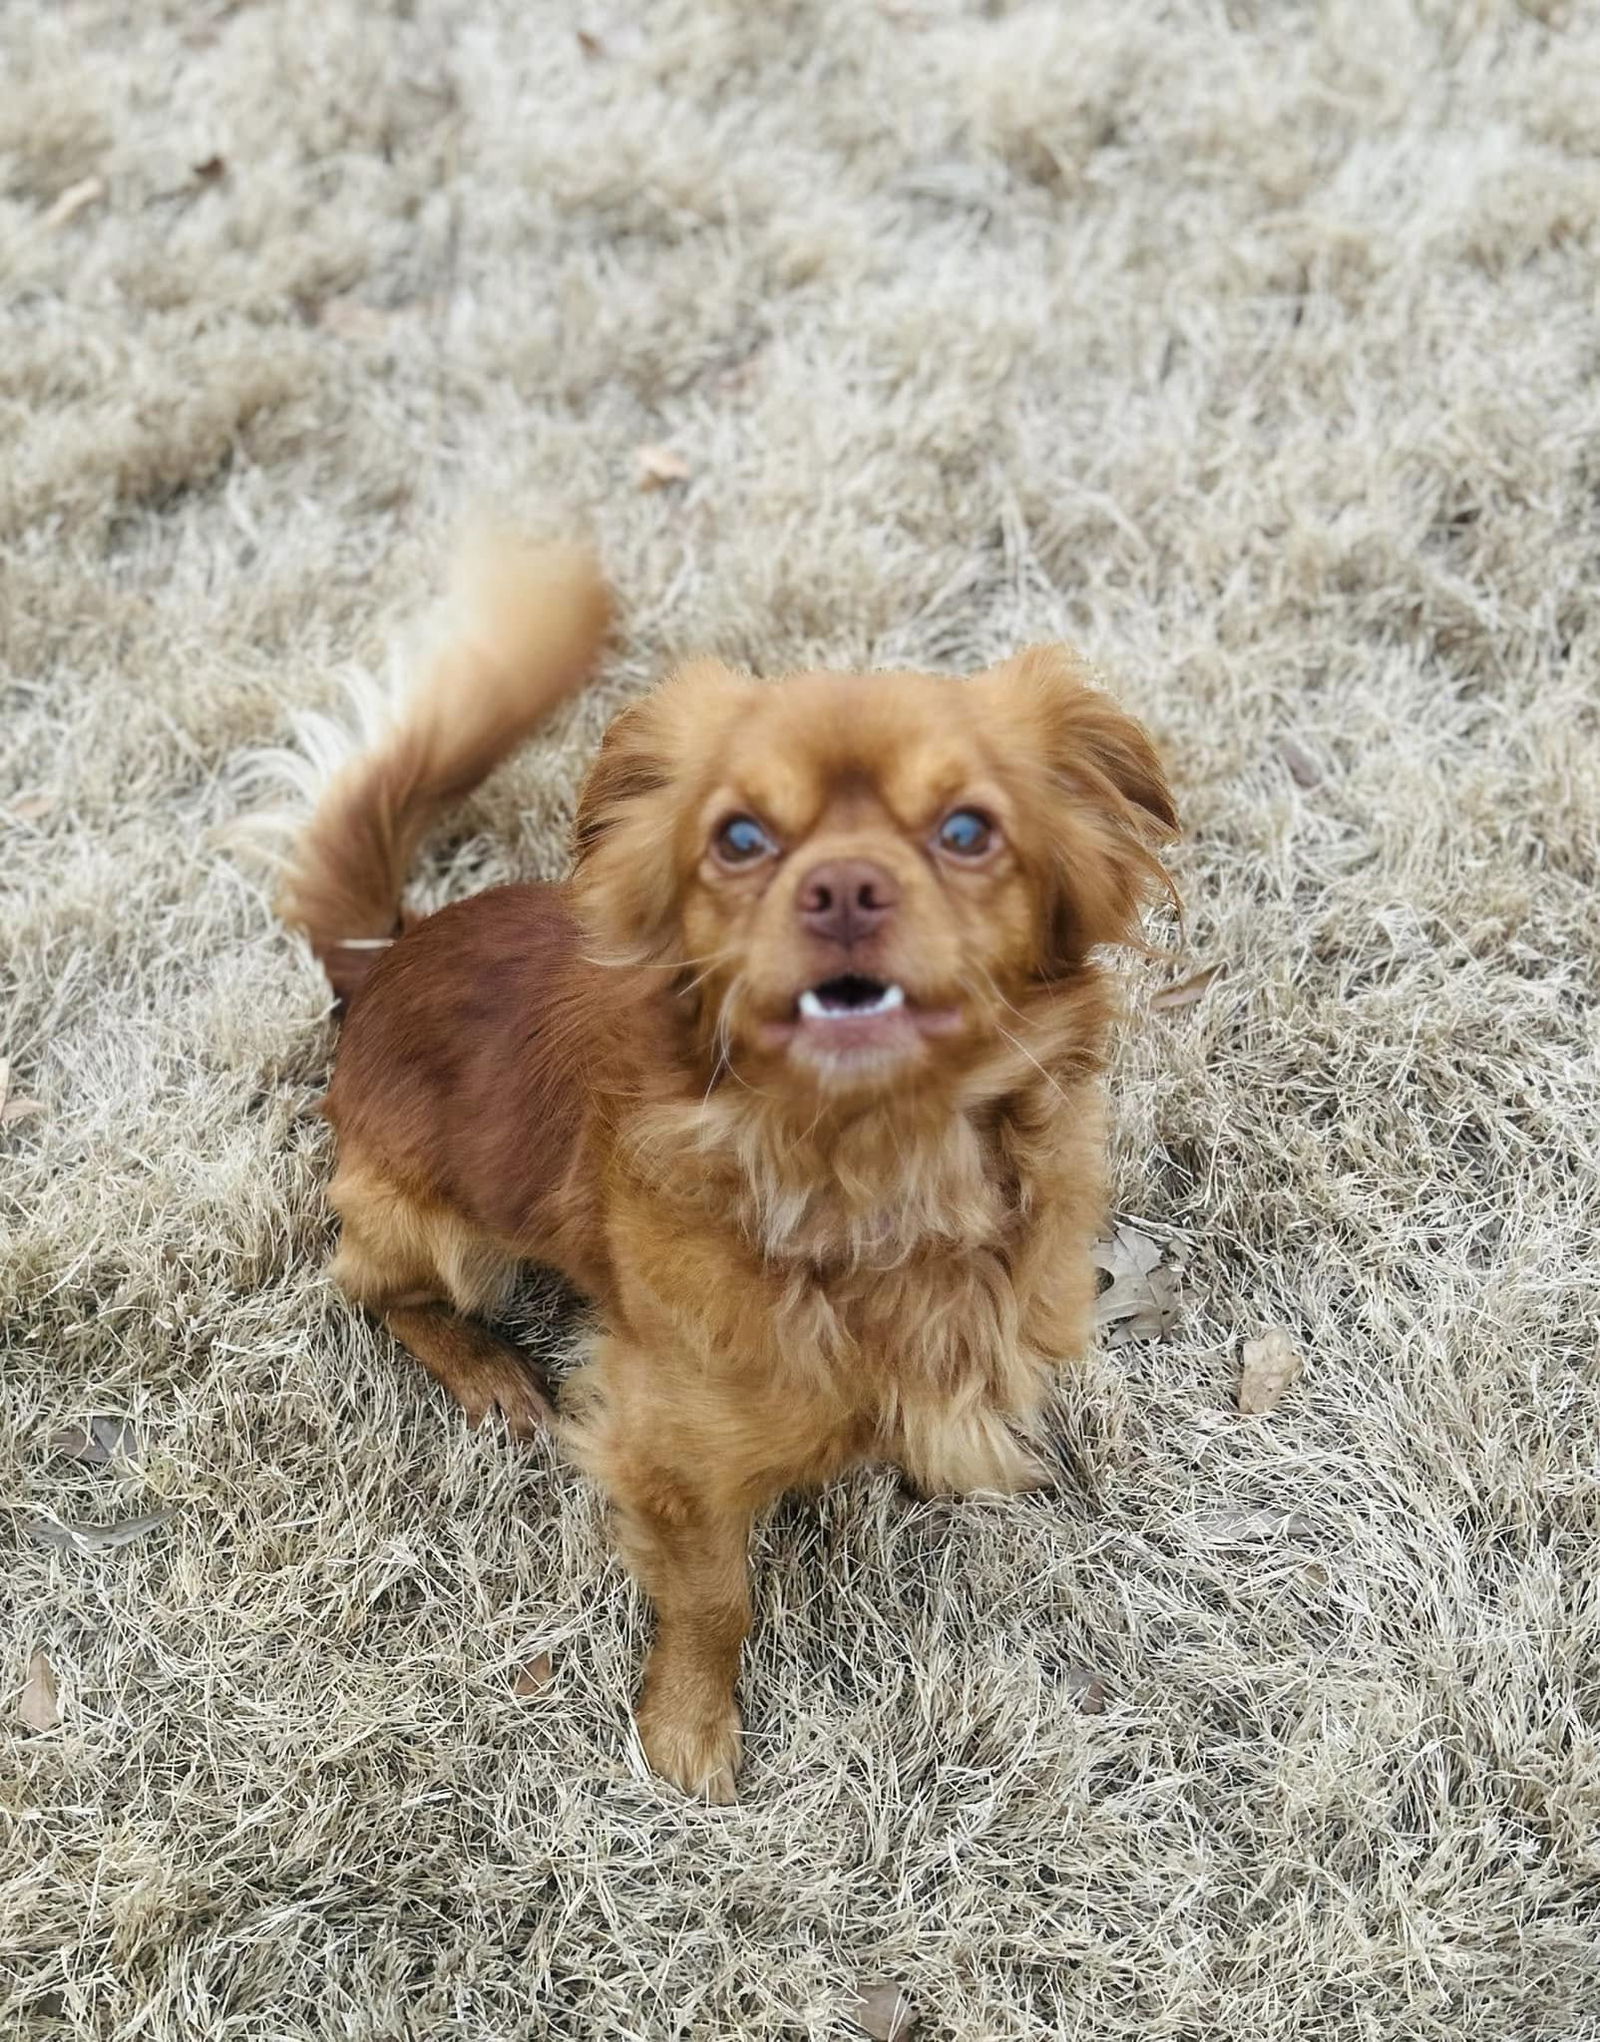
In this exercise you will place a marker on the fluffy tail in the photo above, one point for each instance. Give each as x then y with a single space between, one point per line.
528 625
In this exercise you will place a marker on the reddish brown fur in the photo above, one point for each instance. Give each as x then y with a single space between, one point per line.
800 1258
533 623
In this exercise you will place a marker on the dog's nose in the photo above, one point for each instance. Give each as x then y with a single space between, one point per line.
847 900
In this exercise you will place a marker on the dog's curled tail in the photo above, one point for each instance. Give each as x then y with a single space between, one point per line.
525 628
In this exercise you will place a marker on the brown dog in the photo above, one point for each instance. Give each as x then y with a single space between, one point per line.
796 1078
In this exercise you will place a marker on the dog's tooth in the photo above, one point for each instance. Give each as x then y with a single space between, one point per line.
814 1008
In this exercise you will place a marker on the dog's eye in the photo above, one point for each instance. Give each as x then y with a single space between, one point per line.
966 833
741 841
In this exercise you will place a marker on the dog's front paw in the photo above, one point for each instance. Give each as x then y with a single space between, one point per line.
696 1749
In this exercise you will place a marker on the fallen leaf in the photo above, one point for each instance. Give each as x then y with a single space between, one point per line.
1188 990
1303 768
73 200
591 45
40 1707
1128 1249
93 1538
533 1677
660 465
211 170
101 1440
349 319
1088 1689
32 806
1236 1527
883 2011
1141 1301
1271 1364
738 376
19 1109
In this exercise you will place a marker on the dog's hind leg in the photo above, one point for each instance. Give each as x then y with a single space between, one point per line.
480 1370
421 1269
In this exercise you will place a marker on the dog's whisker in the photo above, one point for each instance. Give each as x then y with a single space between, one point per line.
1021 1047
694 984
1010 1006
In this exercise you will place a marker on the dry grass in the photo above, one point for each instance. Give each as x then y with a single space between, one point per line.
1254 348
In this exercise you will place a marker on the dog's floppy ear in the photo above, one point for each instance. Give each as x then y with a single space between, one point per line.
630 764
644 781
1106 799
1089 737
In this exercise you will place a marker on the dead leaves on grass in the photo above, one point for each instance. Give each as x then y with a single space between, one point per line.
1087 1689
1141 1300
40 1703
32 806
533 1677
348 318
17 1108
1240 1527
660 465
1271 1364
884 2011
77 198
1303 768
93 1538
1187 992
99 1441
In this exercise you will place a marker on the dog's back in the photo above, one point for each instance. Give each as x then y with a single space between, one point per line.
457 1095
467 1077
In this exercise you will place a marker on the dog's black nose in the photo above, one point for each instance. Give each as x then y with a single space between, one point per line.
847 900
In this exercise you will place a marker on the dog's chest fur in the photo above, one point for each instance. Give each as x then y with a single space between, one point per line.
924 1280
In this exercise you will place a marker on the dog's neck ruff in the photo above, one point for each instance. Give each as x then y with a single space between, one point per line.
891 1183
947 1168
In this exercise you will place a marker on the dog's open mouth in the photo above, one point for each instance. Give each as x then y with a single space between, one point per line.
851 995
856 1022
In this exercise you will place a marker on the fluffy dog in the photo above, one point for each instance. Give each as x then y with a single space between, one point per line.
796 1078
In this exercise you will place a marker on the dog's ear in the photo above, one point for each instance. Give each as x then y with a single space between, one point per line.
630 816
630 764
1087 736
1107 805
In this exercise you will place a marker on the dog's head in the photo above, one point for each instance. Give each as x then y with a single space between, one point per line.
864 880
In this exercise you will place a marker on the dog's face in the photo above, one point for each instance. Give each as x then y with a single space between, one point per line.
865 880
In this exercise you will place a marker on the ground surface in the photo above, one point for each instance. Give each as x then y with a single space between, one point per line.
1255 348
